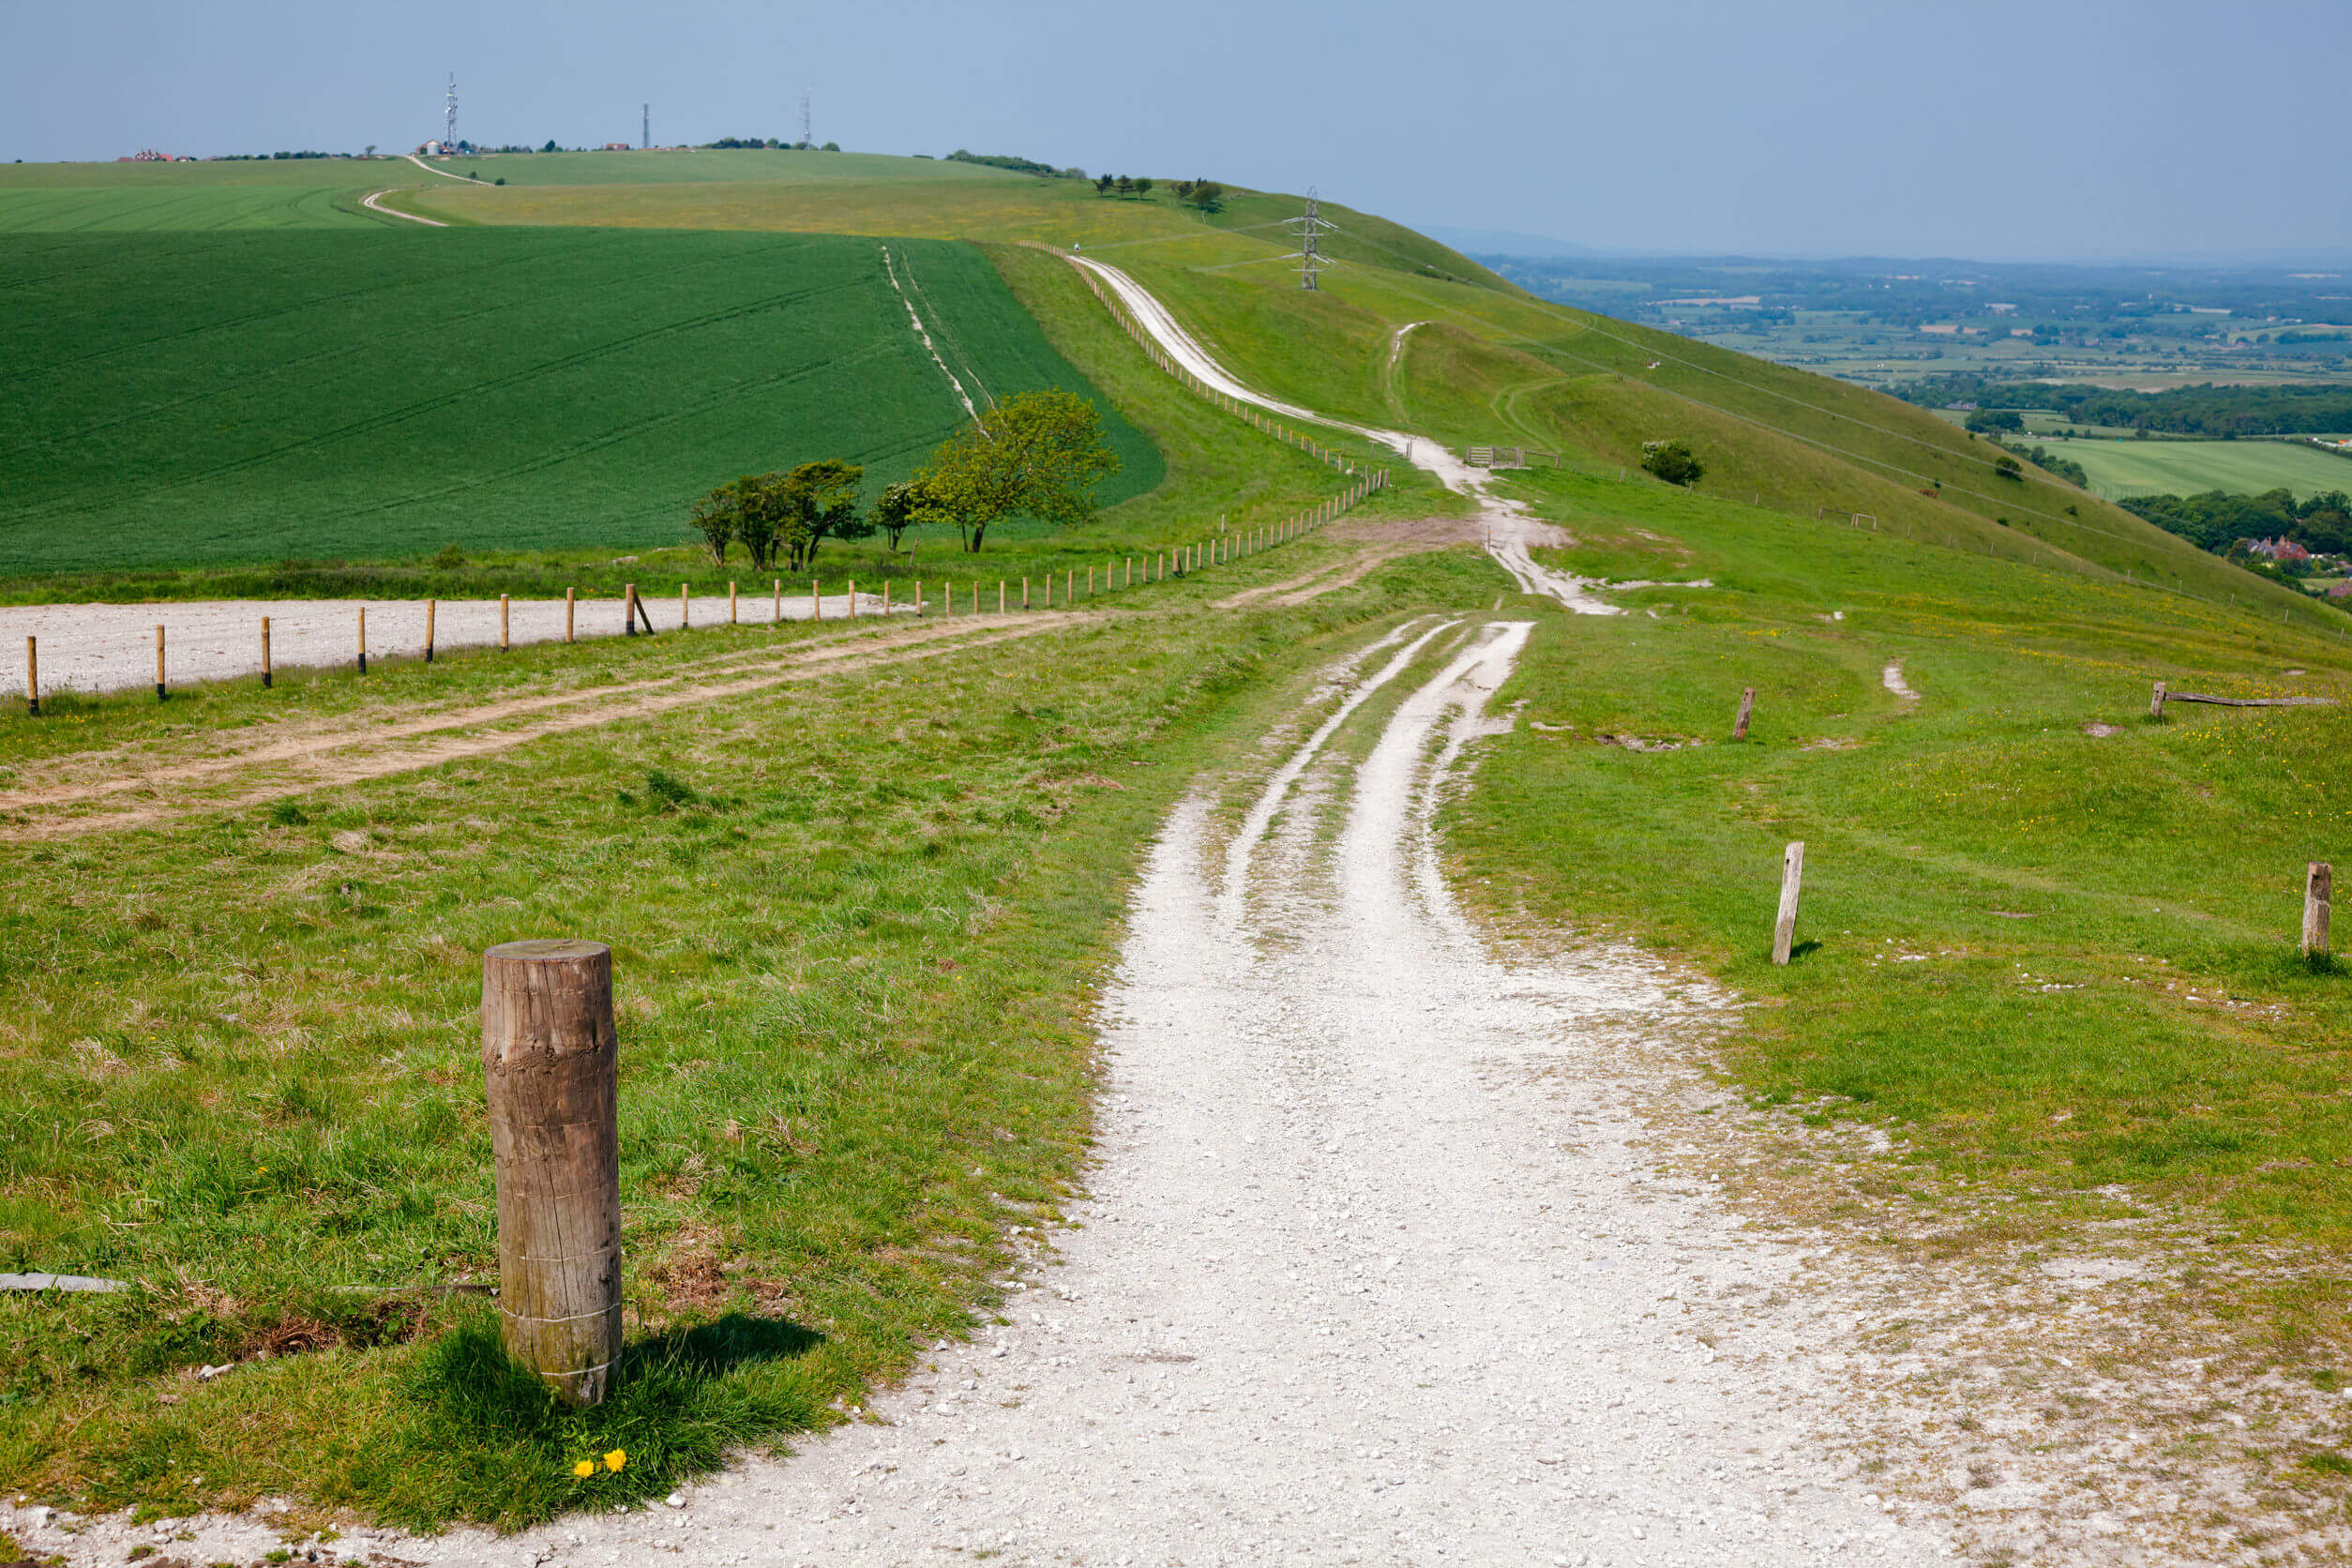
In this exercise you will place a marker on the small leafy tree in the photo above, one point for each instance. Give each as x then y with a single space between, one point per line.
900 507
818 502
715 518
1143 185
2008 467
1207 195
1126 186
1038 454
1672 461
1103 185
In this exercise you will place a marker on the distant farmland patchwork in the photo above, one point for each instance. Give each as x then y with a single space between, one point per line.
190 398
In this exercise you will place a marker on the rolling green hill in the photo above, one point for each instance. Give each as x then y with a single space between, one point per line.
176 400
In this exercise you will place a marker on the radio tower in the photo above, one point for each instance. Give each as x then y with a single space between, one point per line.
449 118
806 140
1308 255
645 139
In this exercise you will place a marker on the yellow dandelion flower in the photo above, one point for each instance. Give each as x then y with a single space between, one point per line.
615 1459
585 1467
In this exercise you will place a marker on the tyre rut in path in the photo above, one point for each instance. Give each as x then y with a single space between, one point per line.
1372 1270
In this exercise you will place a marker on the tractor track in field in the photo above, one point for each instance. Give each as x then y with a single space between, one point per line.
81 794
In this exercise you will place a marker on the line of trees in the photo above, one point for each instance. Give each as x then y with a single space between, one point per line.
1207 195
2216 413
1036 454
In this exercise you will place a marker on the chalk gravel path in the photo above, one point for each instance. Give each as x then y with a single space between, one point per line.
1511 528
110 647
1373 1269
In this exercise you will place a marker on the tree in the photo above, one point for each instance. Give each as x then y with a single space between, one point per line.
1672 461
1037 454
371 149
778 513
1207 195
1989 419
714 517
1103 185
1126 186
550 146
1143 185
900 507
2008 467
818 500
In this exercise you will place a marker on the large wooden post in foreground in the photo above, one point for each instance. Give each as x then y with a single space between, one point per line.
2319 893
551 1061
1792 876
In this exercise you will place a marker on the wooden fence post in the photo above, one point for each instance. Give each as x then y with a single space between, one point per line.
1747 706
733 619
628 610
853 598
885 598
1024 593
265 652
430 605
571 603
685 615
32 677
363 640
1792 876
1069 589
2319 880
501 624
778 617
158 664
551 1066
975 595
2156 701
816 602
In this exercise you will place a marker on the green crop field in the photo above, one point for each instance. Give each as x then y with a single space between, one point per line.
116 209
2122 468
176 400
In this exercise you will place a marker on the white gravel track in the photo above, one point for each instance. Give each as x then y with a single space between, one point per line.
1510 529
110 647
1372 1271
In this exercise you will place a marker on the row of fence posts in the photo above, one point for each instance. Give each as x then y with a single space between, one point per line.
634 614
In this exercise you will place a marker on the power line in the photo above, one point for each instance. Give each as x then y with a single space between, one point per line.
1308 255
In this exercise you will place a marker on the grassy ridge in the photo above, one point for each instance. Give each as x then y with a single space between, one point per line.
1486 366
180 400
2048 959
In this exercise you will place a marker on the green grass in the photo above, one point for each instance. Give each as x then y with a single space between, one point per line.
2049 1054
855 940
2122 468
104 209
190 400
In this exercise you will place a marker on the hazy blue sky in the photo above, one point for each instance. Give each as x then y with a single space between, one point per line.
2056 129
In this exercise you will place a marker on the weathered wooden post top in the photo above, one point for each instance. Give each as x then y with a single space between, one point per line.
551 1061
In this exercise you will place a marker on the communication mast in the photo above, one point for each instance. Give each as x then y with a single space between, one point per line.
449 118
1308 255
646 140
806 140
